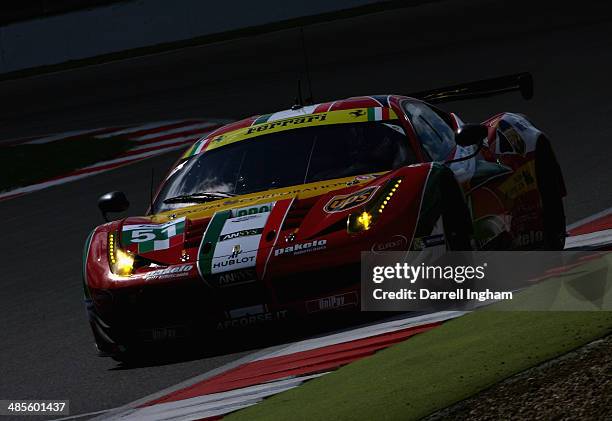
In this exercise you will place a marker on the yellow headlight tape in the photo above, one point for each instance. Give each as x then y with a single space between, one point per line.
355 115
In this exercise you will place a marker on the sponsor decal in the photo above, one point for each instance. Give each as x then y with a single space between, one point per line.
244 317
301 248
421 243
522 181
528 238
343 202
332 303
365 177
394 243
243 233
169 272
292 121
310 190
514 138
151 237
235 236
237 277
252 210
228 262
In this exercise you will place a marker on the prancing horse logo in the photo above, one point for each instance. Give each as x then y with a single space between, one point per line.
236 250
357 113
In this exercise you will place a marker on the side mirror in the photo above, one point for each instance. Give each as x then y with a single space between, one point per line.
114 201
471 134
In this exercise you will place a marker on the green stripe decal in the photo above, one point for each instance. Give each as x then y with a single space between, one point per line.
371 114
213 231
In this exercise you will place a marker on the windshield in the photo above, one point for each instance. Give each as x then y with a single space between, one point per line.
287 158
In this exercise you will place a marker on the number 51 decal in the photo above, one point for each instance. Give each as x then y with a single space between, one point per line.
151 237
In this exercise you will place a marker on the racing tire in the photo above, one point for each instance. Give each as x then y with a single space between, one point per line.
552 190
456 216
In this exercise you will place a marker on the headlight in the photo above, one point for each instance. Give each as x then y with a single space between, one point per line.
121 262
366 217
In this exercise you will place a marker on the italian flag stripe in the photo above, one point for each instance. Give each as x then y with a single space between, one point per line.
371 115
146 247
379 114
211 236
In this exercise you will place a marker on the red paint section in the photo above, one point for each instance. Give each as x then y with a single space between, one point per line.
599 224
301 363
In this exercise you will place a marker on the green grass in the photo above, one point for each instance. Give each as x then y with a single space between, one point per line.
23 165
443 366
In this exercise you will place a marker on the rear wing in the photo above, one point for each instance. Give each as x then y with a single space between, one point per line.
522 82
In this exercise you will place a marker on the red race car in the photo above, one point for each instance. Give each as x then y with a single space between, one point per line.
265 218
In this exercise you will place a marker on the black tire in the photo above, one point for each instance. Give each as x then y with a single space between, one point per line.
552 190
456 216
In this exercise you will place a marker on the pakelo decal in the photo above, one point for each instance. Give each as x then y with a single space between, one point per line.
301 248
343 202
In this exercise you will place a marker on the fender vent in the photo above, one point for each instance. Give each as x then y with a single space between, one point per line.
194 232
298 211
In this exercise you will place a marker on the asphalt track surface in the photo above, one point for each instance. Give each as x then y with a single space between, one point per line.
45 343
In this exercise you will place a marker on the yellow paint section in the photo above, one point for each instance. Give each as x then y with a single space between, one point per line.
522 181
356 115
302 191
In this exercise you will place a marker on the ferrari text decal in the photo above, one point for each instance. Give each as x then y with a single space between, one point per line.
357 115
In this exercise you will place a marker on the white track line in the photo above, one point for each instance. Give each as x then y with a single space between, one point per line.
592 239
60 136
139 128
588 219
143 155
173 131
363 332
190 138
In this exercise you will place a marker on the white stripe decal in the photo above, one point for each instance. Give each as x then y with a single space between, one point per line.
292 113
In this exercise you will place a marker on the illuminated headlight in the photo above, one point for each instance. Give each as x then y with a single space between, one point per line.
121 262
365 218
359 222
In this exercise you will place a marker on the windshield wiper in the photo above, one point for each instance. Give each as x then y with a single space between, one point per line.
200 197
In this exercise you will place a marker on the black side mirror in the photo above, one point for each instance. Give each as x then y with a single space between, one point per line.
471 134
114 201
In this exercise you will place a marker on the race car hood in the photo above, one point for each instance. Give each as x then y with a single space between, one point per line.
246 232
